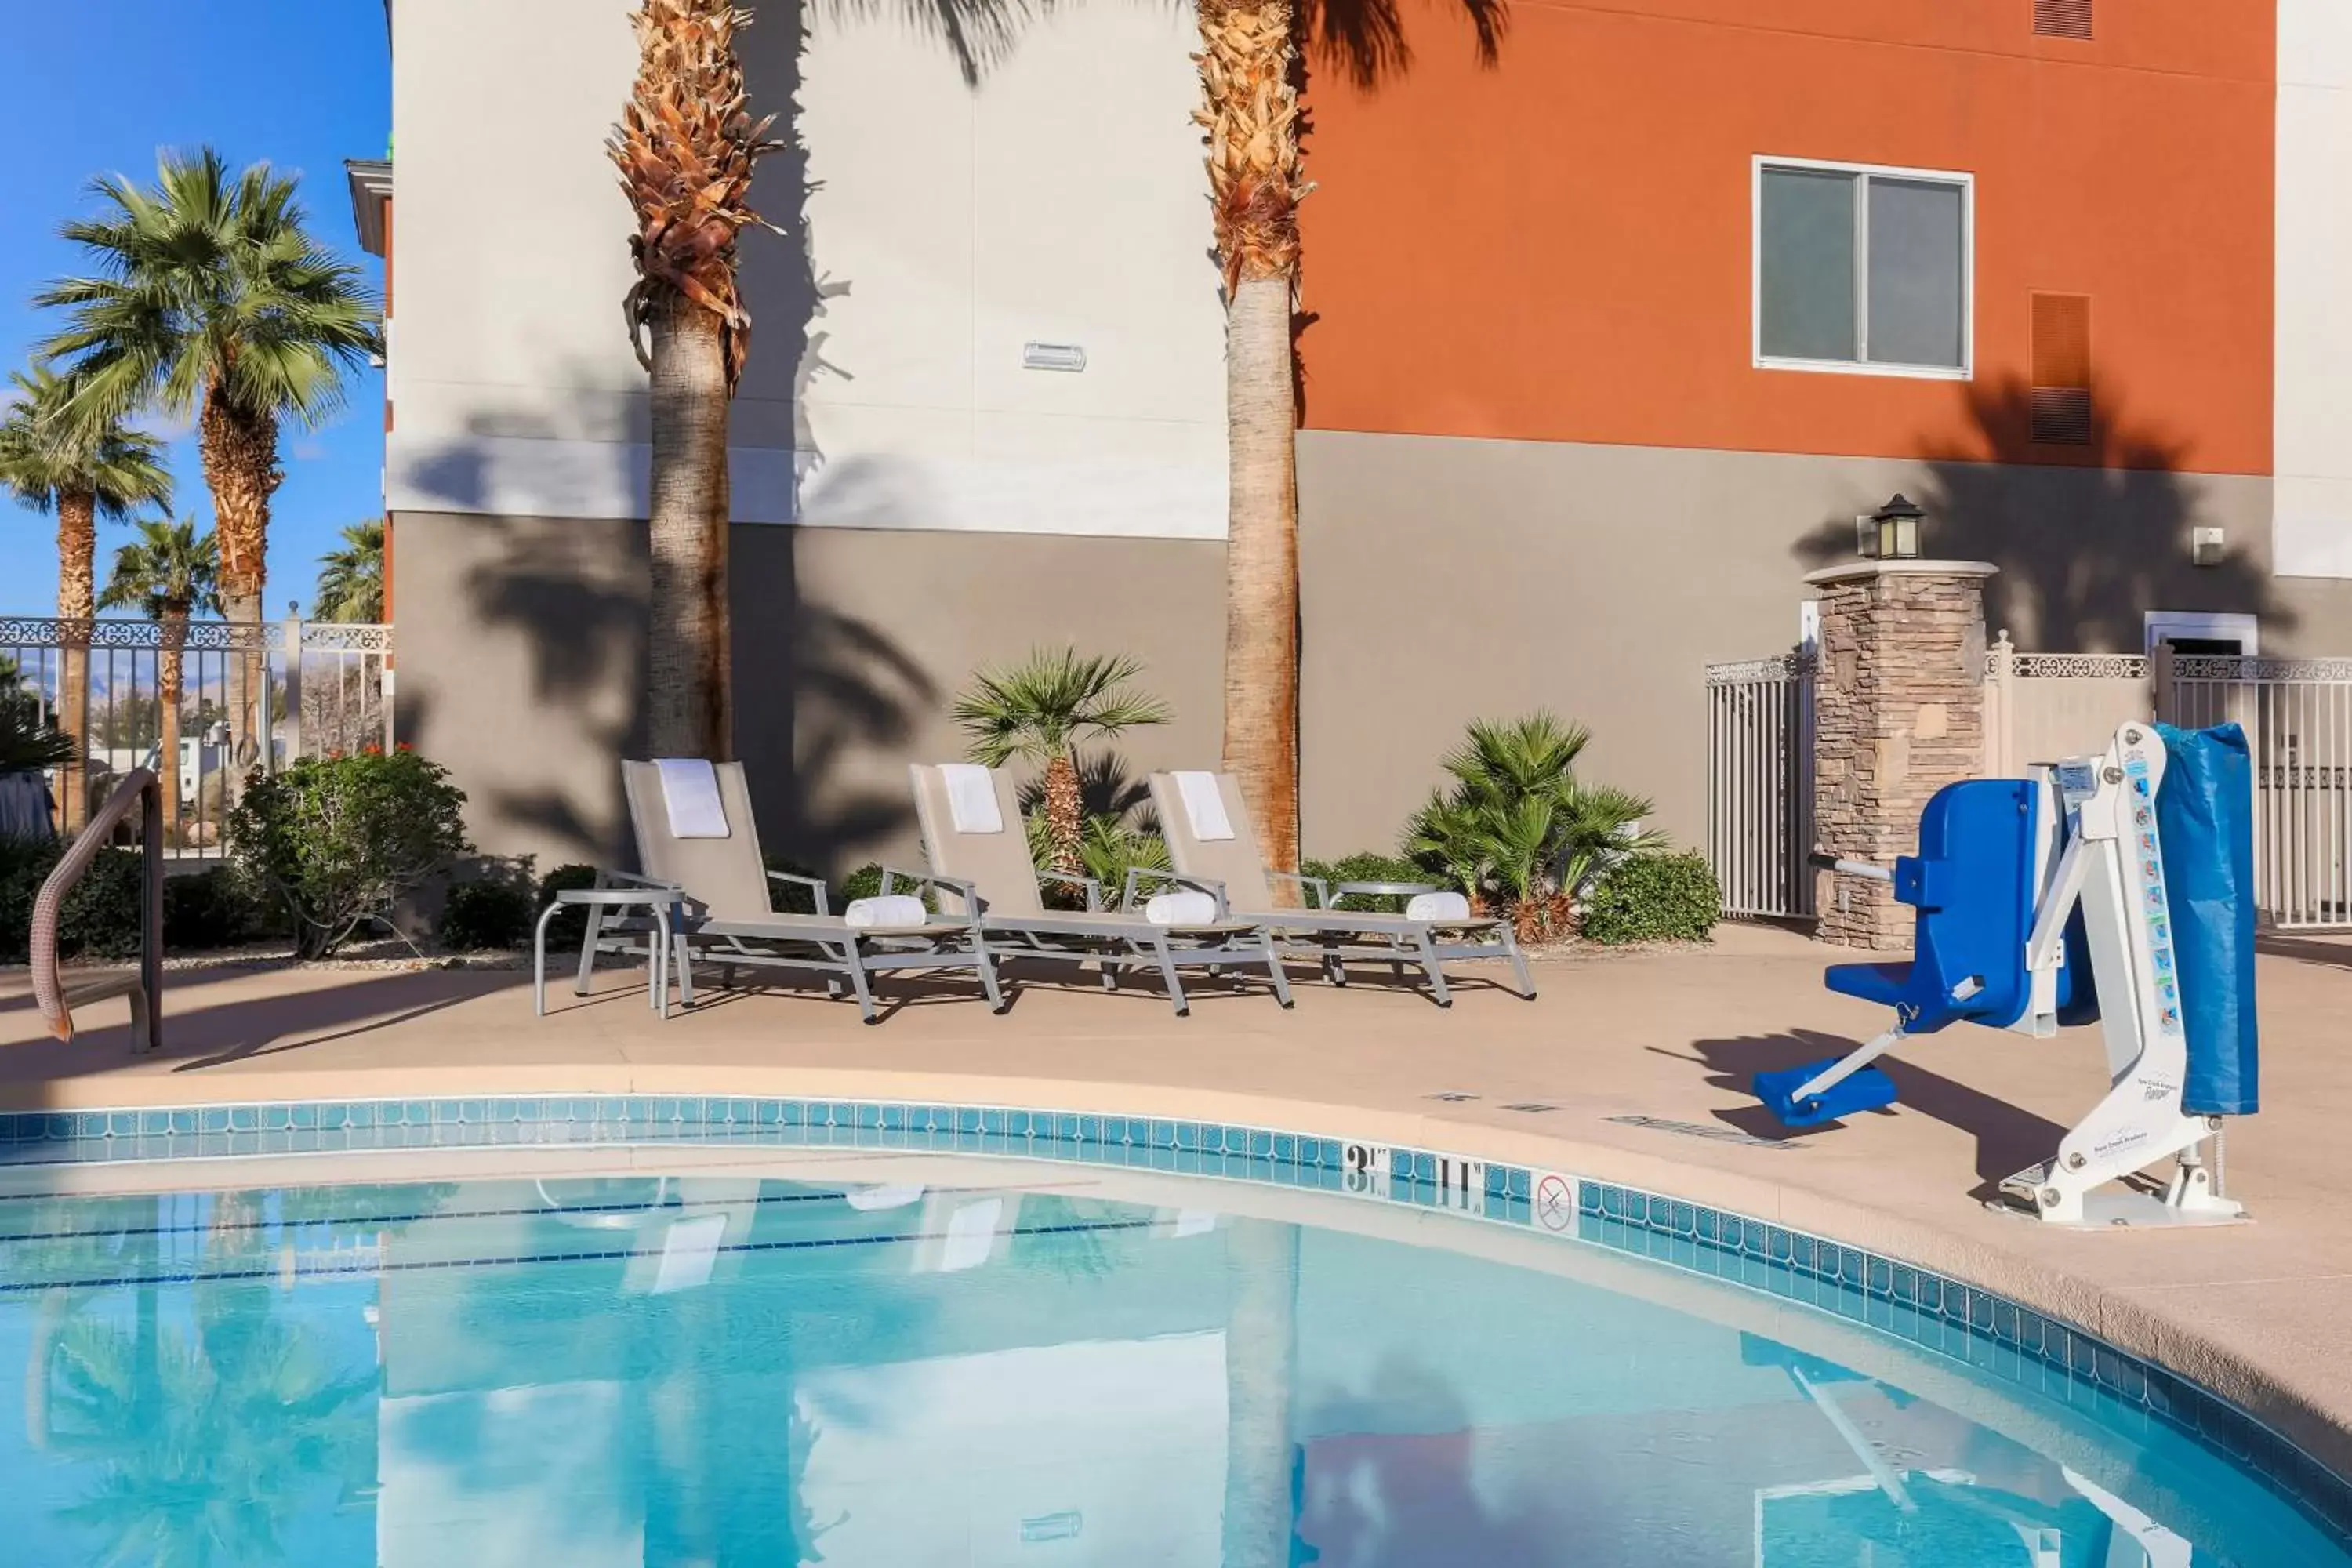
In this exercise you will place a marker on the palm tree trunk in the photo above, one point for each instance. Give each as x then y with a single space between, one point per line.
167 683
1249 108
1261 1353
1262 566
1065 813
239 452
77 602
687 680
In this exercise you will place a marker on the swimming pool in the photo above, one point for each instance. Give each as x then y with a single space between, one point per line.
934 1360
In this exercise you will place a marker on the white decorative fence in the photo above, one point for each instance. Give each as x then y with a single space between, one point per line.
319 688
1759 785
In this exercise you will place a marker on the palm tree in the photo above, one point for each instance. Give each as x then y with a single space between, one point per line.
686 146
1250 111
59 456
351 580
1037 710
169 572
1518 825
211 296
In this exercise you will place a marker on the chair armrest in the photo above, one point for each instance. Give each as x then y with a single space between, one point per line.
813 884
1321 889
968 891
1093 889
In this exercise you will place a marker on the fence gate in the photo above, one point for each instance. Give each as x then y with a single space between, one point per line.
1760 785
322 687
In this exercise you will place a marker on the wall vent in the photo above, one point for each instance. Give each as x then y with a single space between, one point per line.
2060 401
2062 19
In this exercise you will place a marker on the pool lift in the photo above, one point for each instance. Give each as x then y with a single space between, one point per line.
2043 902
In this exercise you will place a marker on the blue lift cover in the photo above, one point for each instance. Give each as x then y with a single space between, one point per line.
2205 815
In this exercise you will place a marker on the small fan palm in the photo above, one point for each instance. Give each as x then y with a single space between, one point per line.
1518 826
170 573
29 746
351 580
1038 710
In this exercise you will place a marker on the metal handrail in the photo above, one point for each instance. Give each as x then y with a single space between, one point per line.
141 788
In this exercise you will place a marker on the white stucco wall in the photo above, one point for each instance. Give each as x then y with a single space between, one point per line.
1061 199
2312 526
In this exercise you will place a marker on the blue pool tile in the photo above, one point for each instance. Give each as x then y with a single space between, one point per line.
306 1117
151 1122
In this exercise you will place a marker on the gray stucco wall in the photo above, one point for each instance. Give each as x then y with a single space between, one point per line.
1445 579
521 655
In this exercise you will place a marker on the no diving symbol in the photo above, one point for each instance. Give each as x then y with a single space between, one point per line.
1555 1204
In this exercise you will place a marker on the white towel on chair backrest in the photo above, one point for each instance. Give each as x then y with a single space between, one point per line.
690 791
1205 806
1181 910
971 798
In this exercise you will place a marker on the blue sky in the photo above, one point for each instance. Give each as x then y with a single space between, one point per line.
97 89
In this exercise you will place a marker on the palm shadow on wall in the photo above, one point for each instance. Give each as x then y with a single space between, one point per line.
2086 538
813 685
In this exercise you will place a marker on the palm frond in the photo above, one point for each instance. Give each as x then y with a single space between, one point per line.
170 570
209 284
55 444
351 580
1037 710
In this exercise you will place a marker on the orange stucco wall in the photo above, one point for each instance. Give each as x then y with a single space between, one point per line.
1556 246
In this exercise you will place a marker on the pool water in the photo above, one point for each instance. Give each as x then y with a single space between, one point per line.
719 1368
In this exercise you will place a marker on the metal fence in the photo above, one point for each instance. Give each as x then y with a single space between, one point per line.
131 693
2039 707
1760 785
2297 715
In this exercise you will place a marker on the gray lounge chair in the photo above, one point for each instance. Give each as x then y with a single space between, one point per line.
1232 870
991 873
721 912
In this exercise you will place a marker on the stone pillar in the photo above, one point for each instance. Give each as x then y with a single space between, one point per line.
1898 713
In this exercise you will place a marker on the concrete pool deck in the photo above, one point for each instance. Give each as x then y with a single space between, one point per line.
2256 1312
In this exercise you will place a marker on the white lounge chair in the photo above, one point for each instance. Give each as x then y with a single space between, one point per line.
1214 846
974 841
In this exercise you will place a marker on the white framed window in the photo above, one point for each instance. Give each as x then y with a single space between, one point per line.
1863 269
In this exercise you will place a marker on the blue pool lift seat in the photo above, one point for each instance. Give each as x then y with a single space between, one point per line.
1973 885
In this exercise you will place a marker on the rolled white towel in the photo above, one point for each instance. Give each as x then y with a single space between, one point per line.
893 910
1181 910
1437 907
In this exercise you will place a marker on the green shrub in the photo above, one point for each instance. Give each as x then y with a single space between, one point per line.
492 912
100 919
569 929
1370 866
337 842
208 909
1654 898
